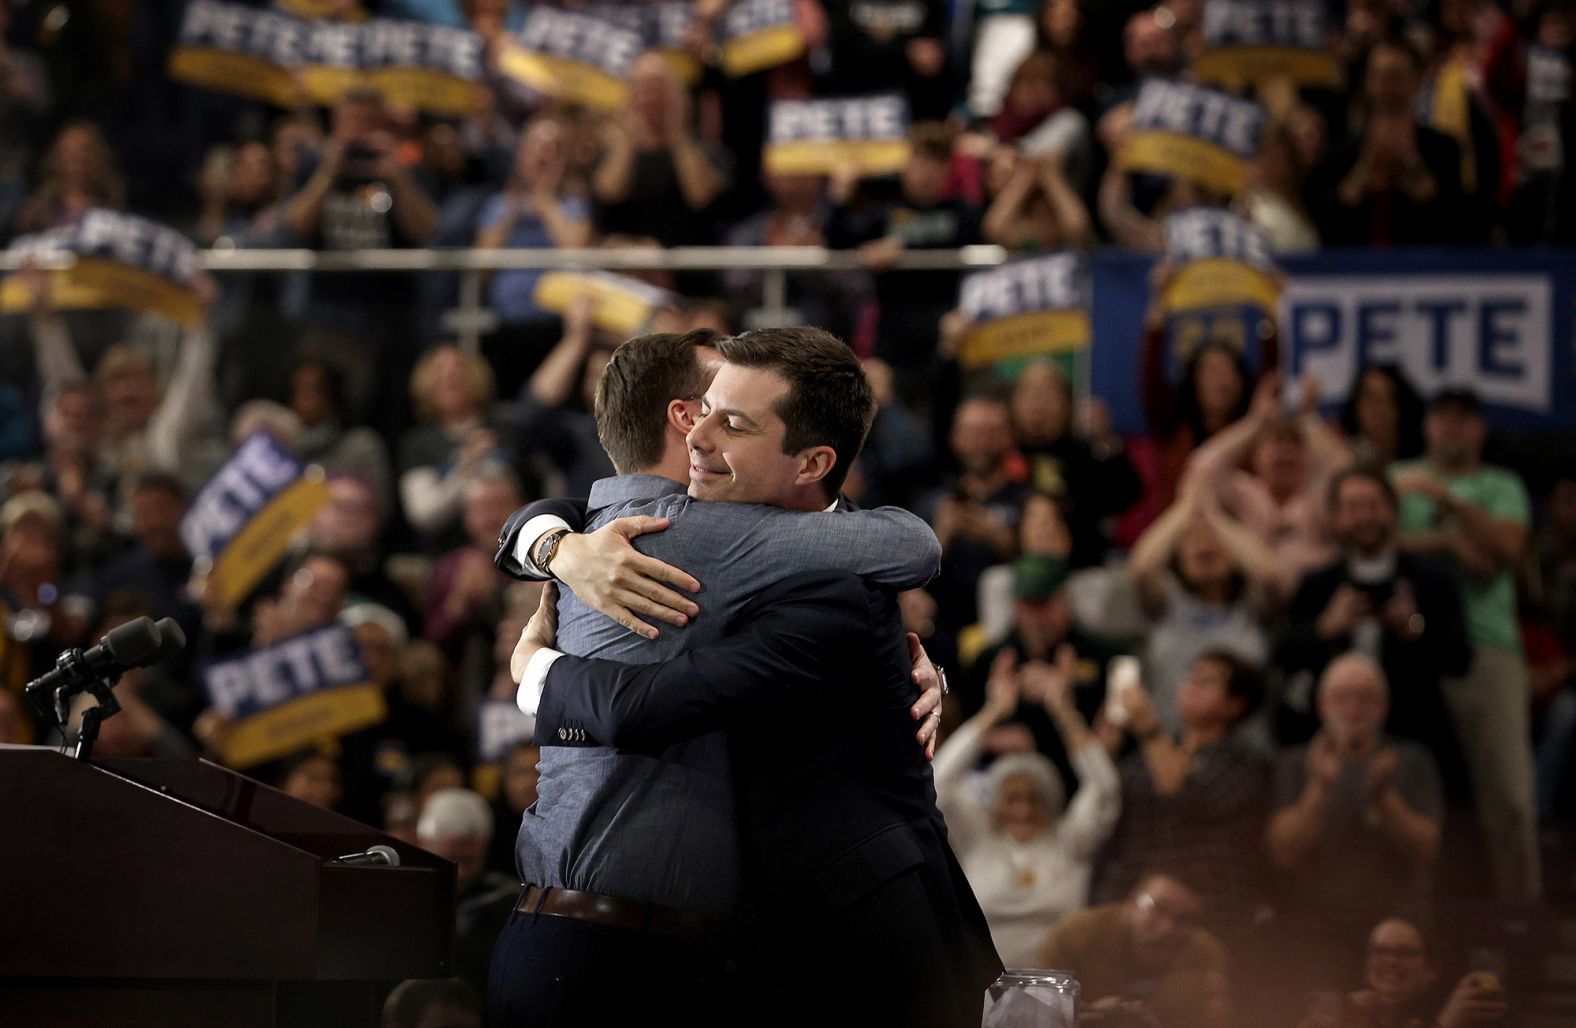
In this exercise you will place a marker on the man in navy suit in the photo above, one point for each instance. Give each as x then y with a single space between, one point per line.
862 914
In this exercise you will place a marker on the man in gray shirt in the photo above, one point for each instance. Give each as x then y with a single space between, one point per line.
632 858
1356 827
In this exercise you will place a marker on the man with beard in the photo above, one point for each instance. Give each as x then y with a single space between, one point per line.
1385 602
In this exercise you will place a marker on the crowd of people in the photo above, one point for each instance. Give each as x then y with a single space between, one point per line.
1239 699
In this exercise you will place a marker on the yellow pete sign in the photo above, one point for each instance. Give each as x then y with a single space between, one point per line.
759 34
275 56
820 137
1222 260
243 520
572 57
1028 309
1193 133
1250 41
298 691
112 260
667 26
620 304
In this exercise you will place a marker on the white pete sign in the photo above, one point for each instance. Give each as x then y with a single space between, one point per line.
1492 332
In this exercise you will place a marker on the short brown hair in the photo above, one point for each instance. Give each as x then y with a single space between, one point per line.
645 374
829 402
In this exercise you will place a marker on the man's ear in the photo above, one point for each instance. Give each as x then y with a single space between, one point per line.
815 464
682 415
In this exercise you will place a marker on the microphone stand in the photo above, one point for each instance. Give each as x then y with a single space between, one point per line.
108 706
55 709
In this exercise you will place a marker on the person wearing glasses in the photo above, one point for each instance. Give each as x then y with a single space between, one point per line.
1146 959
1402 989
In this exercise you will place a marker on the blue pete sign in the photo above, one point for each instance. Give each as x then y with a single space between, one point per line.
1502 323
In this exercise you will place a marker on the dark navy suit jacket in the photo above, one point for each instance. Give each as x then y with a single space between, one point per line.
857 892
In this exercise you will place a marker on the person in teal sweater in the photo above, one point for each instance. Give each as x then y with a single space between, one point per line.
1474 516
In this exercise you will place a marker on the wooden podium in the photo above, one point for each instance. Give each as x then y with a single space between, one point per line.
179 893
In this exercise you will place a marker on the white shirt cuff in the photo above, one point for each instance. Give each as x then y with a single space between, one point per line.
529 536
531 683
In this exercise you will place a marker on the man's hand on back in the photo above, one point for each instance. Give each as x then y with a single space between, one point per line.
541 632
610 576
932 689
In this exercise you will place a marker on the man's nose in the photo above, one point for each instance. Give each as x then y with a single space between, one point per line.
698 437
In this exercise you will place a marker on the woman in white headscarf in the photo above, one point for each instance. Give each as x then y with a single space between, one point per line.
1026 850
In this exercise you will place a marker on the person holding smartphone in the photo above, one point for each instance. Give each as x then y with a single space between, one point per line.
1402 988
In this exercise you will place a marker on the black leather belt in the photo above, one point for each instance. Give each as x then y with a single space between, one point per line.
615 912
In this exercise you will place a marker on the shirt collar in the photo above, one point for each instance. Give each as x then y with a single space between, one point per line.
609 492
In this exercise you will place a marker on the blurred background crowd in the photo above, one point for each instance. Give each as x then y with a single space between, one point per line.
1340 794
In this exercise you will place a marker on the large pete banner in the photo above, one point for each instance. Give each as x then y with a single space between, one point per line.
271 55
1028 309
1501 323
1194 133
1252 41
822 137
242 522
298 691
111 260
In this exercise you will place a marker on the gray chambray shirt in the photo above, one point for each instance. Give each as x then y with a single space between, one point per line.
659 827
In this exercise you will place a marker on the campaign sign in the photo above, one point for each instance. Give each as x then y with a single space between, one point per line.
819 137
115 260
759 34
1194 133
574 57
1249 41
271 55
1031 308
1221 260
241 523
1491 331
430 68
282 697
233 48
499 725
667 25
621 304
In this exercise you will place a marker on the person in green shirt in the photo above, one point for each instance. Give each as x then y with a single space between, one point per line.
1474 516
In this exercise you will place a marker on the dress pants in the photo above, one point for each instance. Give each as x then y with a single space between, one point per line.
557 972
1489 706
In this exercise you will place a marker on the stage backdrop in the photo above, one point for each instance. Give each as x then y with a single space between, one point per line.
1502 323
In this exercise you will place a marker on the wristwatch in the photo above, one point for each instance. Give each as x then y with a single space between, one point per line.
547 549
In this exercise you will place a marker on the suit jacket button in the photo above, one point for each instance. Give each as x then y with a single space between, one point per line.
562 735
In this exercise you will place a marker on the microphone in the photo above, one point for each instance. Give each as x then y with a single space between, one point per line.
171 641
137 643
374 856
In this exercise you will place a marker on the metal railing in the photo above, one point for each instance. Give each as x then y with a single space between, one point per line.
471 319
